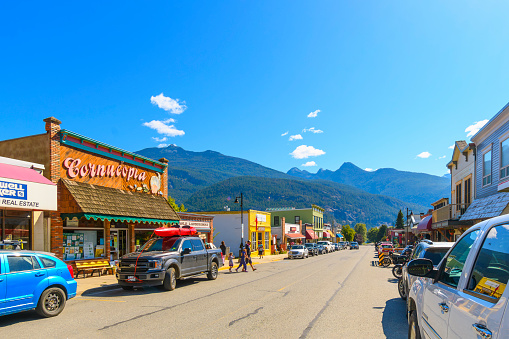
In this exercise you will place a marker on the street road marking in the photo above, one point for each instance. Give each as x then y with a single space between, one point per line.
296 282
113 301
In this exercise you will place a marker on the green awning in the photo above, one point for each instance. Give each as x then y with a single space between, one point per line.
117 218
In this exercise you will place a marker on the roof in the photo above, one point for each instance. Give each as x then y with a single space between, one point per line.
22 173
96 199
294 235
486 208
489 122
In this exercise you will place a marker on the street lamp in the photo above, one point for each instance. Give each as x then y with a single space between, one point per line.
241 219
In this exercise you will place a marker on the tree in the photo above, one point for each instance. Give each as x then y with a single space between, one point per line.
399 221
382 233
361 230
176 207
373 234
348 232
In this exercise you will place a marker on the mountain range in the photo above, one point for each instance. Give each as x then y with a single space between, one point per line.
206 181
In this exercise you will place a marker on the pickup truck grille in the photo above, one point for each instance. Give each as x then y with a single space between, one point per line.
129 265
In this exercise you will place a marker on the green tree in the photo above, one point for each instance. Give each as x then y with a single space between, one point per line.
348 232
382 233
399 220
176 207
362 231
373 234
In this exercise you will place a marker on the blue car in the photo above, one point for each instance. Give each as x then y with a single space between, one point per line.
34 280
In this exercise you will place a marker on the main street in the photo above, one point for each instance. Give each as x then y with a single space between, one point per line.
337 295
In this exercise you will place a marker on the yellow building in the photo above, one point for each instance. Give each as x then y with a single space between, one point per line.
258 227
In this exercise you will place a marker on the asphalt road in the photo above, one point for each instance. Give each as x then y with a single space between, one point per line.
338 295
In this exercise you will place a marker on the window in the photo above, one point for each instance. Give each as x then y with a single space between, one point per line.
197 244
297 219
22 263
491 271
468 185
486 169
276 221
451 271
267 240
48 263
187 244
15 225
458 197
253 240
504 159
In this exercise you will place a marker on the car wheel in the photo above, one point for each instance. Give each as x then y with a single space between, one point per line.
212 275
170 279
402 289
413 327
51 302
127 288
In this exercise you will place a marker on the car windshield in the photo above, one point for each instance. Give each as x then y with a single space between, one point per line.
386 246
309 245
435 254
169 244
322 242
297 247
354 243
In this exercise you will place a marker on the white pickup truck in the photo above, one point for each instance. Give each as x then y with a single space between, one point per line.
327 244
465 296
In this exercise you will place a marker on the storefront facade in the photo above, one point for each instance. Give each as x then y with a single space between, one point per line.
24 196
109 200
259 230
204 224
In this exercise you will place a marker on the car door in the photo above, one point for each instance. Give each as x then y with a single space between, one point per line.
201 255
24 276
187 258
438 296
479 307
3 284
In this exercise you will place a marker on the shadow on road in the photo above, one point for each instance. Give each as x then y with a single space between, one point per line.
394 321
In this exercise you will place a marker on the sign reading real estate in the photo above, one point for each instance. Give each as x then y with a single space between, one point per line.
25 195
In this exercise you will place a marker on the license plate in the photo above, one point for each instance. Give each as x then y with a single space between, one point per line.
131 278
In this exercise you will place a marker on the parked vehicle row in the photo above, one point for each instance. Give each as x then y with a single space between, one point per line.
458 290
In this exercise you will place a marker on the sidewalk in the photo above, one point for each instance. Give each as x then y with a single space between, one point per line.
106 282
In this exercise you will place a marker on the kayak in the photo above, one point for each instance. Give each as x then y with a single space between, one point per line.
174 231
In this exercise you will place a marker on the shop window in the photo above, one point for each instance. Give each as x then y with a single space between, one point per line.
253 241
486 169
16 225
490 274
267 240
504 159
81 244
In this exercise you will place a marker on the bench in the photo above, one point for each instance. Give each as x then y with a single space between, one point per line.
93 265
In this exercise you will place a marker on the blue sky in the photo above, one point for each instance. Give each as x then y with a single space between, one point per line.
387 80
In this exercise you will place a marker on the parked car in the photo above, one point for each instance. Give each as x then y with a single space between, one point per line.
466 295
386 248
321 249
326 244
342 245
34 280
163 260
298 251
312 248
435 251
336 246
354 245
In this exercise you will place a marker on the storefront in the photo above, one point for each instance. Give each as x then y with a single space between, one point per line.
259 230
24 195
201 222
109 200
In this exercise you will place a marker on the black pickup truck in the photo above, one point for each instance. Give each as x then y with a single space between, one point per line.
163 260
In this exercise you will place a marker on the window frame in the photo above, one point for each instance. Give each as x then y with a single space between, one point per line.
488 177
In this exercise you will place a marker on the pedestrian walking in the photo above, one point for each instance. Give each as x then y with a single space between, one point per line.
223 251
260 251
230 259
243 256
248 255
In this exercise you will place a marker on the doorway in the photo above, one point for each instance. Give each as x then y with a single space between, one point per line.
118 243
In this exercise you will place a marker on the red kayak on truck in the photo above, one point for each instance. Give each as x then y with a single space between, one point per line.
174 231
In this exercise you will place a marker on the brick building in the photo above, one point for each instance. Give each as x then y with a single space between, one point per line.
108 199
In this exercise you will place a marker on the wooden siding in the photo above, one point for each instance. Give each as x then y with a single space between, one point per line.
493 140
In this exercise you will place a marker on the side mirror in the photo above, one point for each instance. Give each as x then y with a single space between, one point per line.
421 268
186 251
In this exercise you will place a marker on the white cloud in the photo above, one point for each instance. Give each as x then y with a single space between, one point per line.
160 139
442 157
314 114
475 127
309 164
162 128
452 146
304 152
367 169
162 145
169 104
295 137
285 133
312 129
424 155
